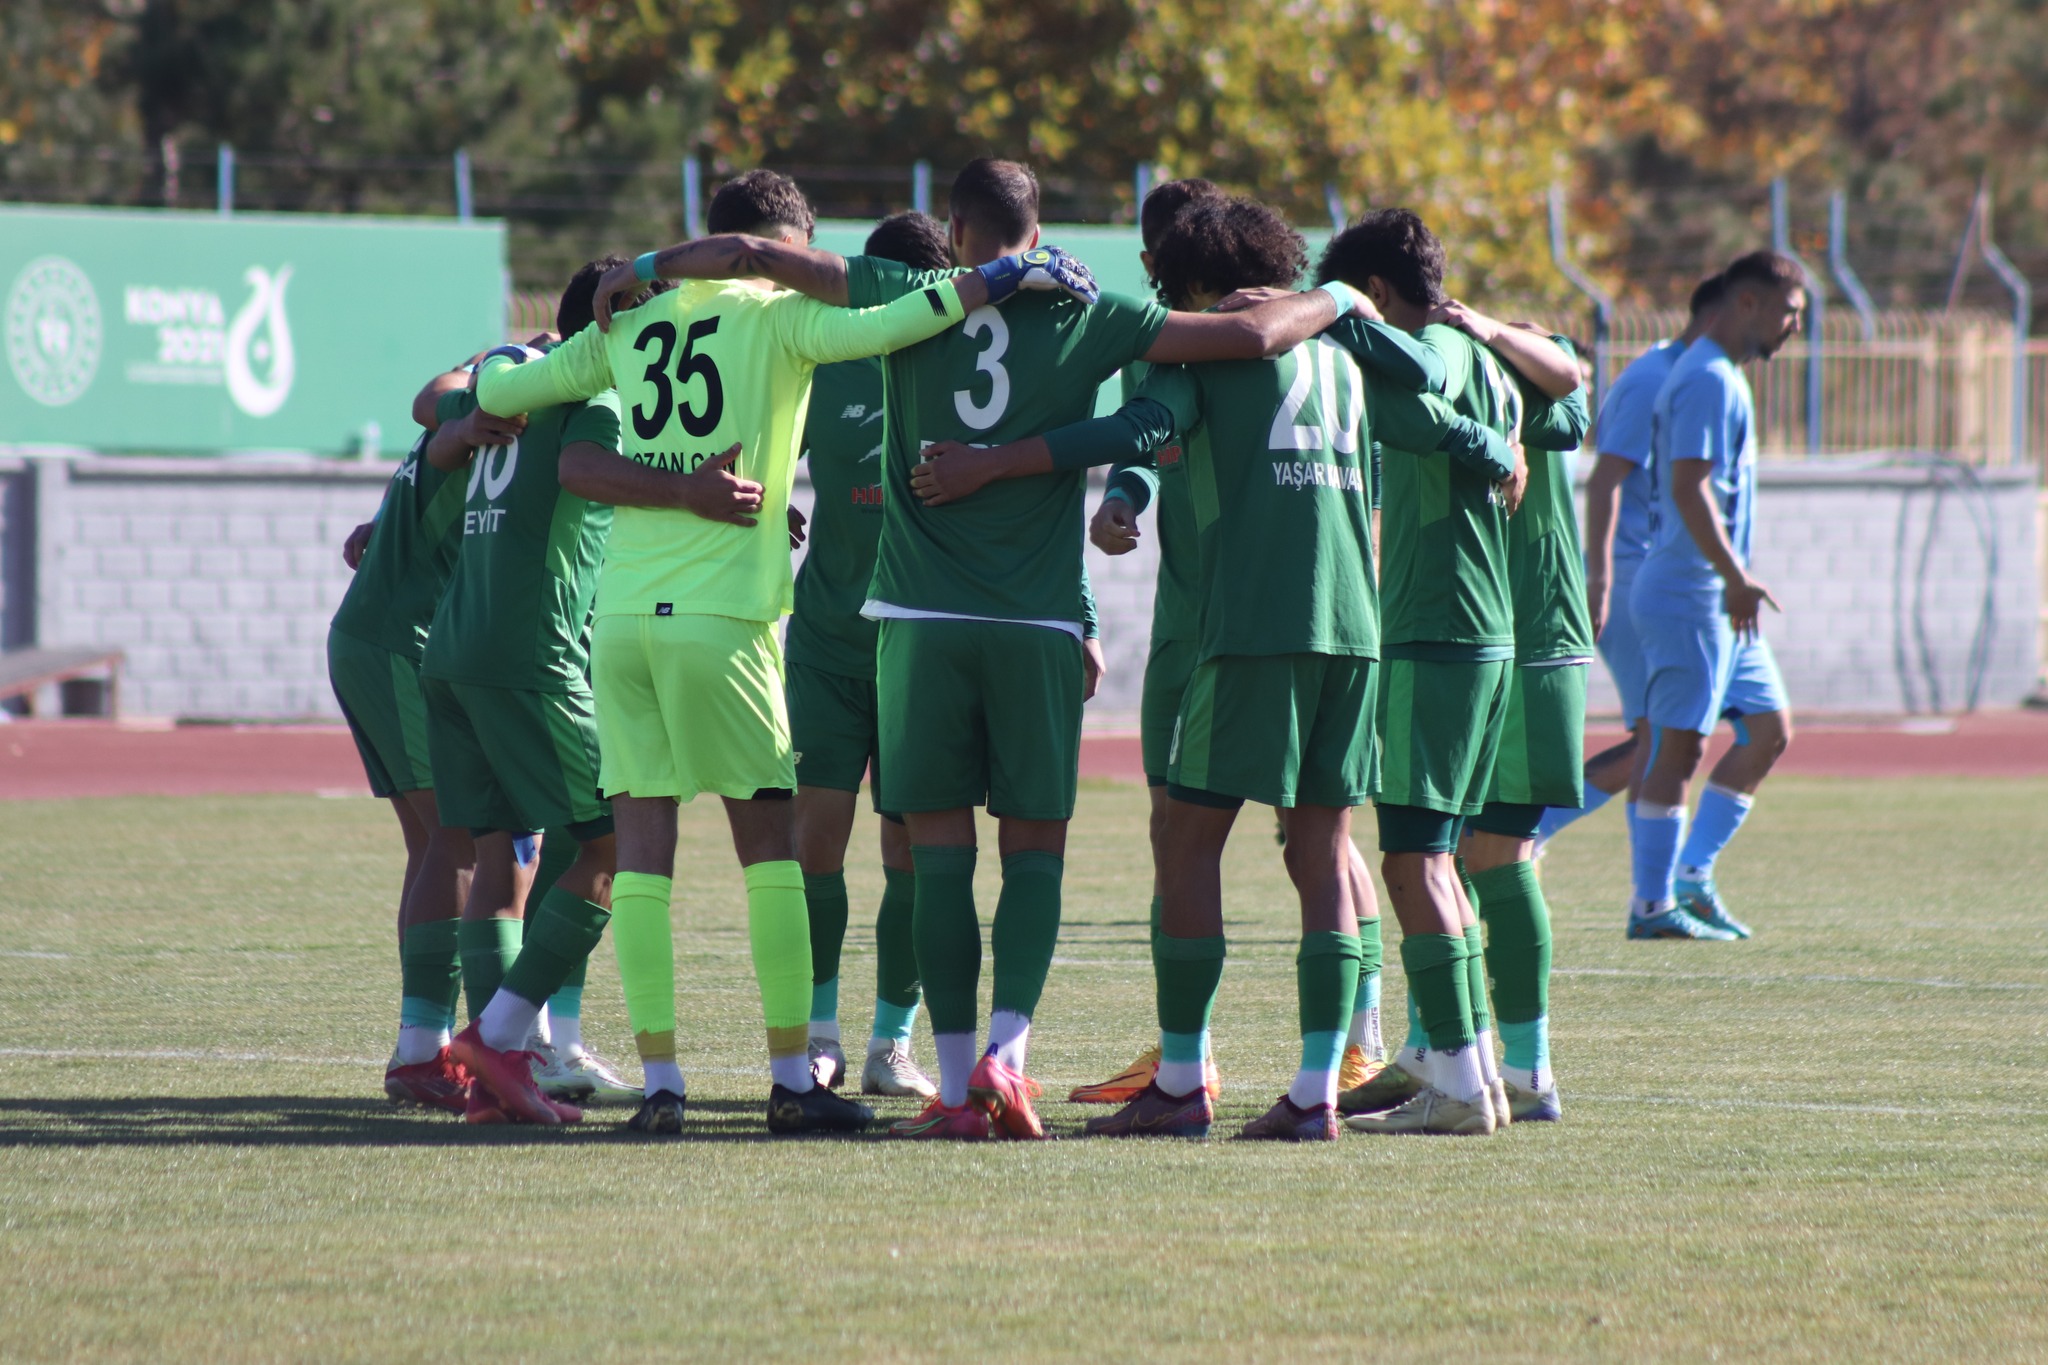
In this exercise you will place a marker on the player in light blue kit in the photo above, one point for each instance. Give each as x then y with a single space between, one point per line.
1695 605
1618 506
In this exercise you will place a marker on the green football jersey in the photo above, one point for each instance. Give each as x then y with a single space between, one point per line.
1279 472
1013 550
1160 481
843 447
1444 530
405 567
517 610
1546 567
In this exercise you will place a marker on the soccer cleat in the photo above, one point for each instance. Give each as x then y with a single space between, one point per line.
481 1108
1154 1113
581 1077
1432 1111
1703 903
816 1110
1674 921
1389 1086
964 1124
1497 1099
1123 1087
437 1083
508 1076
889 1071
1289 1122
1534 1106
660 1115
1005 1095
1356 1068
828 1062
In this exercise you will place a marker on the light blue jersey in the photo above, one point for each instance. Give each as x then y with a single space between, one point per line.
1624 430
1704 412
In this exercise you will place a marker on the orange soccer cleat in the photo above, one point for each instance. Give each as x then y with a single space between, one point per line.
1129 1083
1005 1096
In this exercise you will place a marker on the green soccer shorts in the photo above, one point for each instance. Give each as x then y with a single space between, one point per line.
1167 670
1543 740
1283 729
980 713
1439 729
835 728
380 698
511 759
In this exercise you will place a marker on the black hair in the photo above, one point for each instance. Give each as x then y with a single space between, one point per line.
1762 267
759 202
1223 245
1707 294
577 306
1393 244
915 239
999 198
1164 203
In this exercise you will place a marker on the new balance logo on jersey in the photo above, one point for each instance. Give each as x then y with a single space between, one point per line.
1307 474
853 410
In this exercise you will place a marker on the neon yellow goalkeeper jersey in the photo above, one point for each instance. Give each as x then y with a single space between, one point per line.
698 368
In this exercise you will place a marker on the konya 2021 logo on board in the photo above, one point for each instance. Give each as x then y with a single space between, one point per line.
196 342
53 331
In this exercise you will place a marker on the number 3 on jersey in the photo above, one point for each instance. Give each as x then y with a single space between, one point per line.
982 416
691 364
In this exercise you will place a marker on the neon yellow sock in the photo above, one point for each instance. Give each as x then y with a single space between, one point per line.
647 961
779 931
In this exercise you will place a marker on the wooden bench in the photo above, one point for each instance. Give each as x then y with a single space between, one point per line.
24 672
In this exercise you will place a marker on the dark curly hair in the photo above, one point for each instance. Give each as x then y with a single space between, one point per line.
1393 244
916 239
759 202
1164 203
577 308
1223 245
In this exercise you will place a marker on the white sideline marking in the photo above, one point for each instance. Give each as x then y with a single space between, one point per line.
174 1055
19 952
1818 978
1817 1107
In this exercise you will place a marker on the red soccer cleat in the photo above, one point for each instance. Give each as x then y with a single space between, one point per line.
437 1083
1005 1096
508 1076
965 1124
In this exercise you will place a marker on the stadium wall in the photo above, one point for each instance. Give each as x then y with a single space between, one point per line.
218 576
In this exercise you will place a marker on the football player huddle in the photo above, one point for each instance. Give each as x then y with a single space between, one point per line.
566 619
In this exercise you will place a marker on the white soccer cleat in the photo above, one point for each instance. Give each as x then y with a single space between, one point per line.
889 1071
1497 1096
581 1077
1431 1111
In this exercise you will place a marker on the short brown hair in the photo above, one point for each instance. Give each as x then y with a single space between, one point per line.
759 202
996 197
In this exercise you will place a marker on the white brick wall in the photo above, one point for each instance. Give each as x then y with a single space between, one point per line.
219 577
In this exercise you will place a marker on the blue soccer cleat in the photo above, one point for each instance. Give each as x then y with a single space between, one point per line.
1674 921
1703 903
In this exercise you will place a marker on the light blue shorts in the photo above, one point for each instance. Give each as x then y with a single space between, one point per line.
1696 672
1621 648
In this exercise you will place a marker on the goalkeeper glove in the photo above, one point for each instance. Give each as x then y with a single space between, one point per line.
1042 267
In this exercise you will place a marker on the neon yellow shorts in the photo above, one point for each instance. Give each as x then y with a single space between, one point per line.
690 704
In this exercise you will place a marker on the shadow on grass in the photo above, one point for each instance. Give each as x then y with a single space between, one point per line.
302 1121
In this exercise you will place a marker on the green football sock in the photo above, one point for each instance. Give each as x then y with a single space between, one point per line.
488 947
646 949
947 935
567 1001
1026 929
430 976
1326 982
779 932
825 903
559 938
896 992
1517 941
1440 986
1186 973
1475 979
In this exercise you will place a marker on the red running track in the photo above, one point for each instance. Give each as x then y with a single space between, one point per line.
45 760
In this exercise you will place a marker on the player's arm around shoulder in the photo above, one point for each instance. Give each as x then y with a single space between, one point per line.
1264 325
461 427
728 256
823 333
509 382
953 470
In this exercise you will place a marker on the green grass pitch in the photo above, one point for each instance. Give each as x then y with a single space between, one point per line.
1829 1143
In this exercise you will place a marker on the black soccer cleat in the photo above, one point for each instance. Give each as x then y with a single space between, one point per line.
816 1110
660 1115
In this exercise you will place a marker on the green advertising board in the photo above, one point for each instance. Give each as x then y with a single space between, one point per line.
193 333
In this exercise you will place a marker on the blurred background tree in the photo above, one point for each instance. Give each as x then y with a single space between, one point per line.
1664 119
